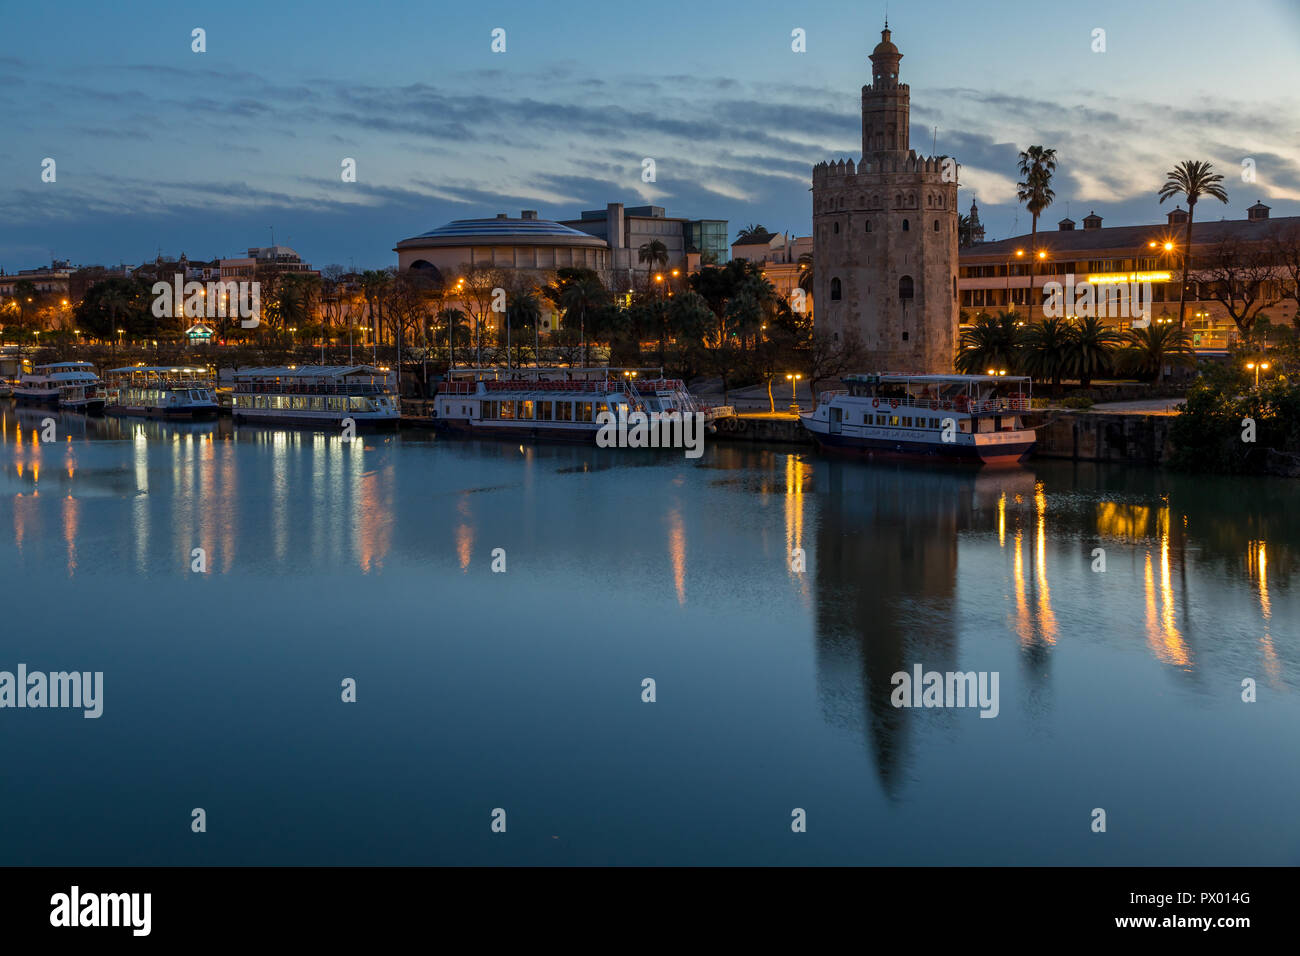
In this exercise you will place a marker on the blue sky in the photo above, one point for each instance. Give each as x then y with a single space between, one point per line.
160 147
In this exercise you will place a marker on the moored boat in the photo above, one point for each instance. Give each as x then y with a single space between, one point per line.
555 404
182 392
70 385
323 396
962 417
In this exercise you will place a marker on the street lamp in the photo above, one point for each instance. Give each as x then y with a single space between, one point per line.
793 378
1257 366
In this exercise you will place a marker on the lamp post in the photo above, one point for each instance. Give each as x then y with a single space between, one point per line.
1007 296
793 378
1256 367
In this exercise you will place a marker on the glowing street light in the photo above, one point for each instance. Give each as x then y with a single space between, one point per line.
793 378
1257 366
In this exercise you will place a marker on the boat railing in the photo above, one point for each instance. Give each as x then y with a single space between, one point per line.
960 403
304 388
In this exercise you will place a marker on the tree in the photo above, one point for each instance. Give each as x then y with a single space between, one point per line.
1037 164
1150 349
115 303
806 272
1045 350
824 359
1191 179
1091 349
479 293
1285 247
584 294
964 235
523 315
458 330
655 253
751 233
1242 278
991 342
374 282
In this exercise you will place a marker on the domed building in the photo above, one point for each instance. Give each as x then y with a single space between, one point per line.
526 243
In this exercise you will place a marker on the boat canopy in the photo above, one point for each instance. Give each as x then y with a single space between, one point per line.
158 369
66 366
309 371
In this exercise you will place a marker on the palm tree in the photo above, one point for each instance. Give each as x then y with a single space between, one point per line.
1047 350
990 343
1091 349
1150 349
750 233
963 231
655 253
1037 164
524 310
583 294
114 299
1193 179
806 272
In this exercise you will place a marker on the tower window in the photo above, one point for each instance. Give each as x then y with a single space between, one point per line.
905 287
837 229
868 225
904 336
835 290
936 225
906 227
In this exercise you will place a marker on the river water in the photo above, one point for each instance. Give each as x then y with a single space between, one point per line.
522 690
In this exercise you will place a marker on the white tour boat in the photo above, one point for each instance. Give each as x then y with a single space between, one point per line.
560 404
964 417
70 385
182 392
319 395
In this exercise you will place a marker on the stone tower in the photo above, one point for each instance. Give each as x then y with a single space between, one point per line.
885 237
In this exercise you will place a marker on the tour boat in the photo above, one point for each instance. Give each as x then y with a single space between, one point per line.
314 395
70 385
963 417
558 404
177 392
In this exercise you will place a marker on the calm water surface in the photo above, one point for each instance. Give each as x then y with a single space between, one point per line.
522 690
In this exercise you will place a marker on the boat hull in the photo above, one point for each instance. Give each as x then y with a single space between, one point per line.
462 428
168 414
999 453
92 406
35 398
321 423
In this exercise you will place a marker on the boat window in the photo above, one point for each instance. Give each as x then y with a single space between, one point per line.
508 410
544 411
880 419
582 411
964 425
564 411
893 420
526 408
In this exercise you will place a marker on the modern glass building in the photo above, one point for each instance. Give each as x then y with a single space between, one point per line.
709 238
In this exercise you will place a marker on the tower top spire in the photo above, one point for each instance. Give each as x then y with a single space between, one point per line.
884 61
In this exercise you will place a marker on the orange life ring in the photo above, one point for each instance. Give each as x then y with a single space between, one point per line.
947 405
875 403
893 403
961 403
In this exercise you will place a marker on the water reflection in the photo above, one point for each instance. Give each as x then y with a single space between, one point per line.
896 554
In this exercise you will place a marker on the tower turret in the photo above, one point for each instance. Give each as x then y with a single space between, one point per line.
885 103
